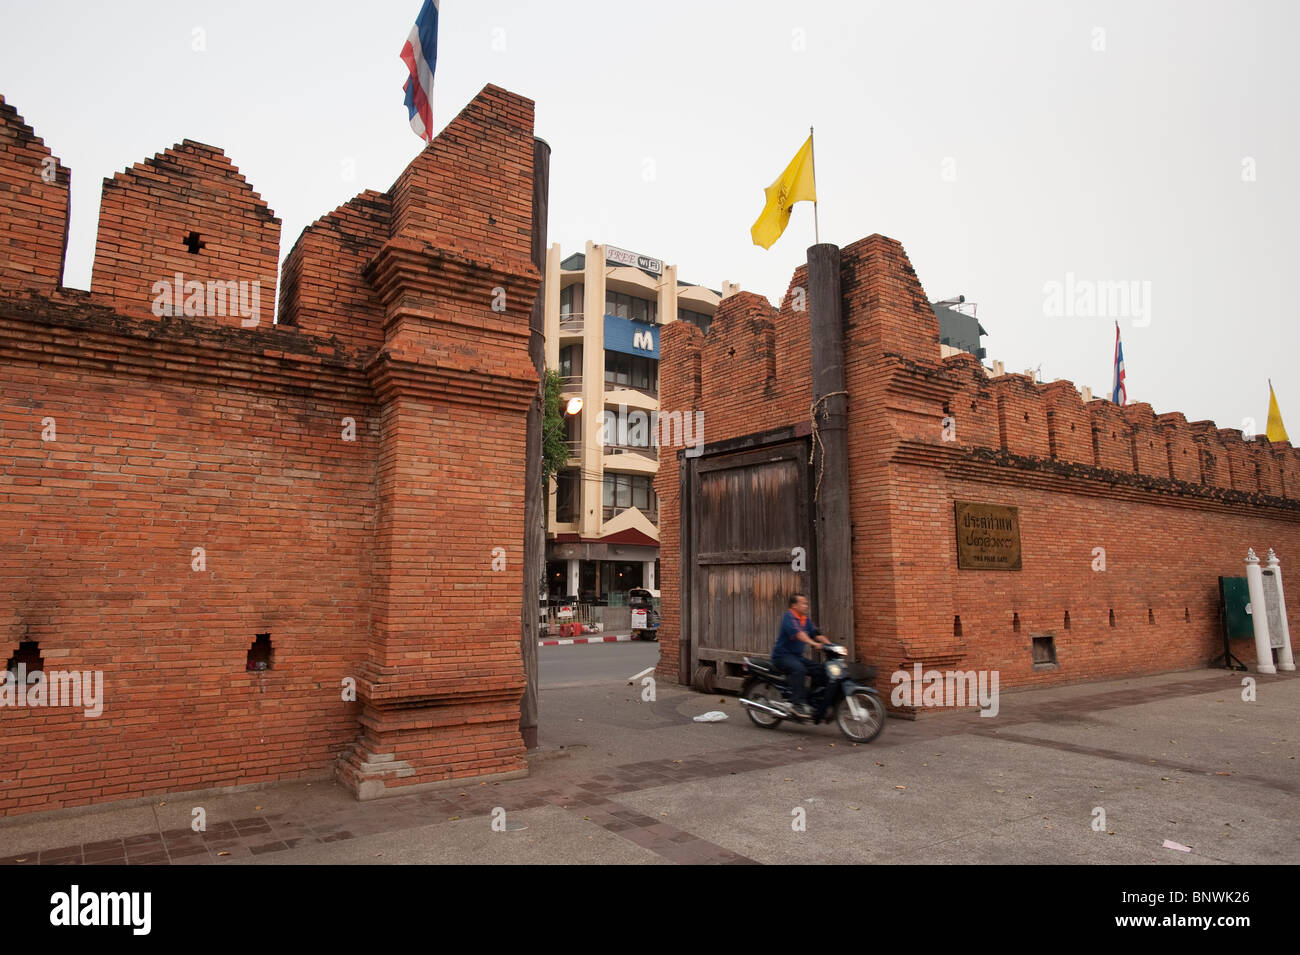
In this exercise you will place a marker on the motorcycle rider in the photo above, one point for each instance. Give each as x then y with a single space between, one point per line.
787 653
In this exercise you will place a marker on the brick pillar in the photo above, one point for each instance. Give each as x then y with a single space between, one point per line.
441 685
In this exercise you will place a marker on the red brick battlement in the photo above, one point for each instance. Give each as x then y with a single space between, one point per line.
890 326
1171 503
33 207
349 480
186 211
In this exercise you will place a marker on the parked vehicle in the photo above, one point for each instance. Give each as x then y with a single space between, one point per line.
847 696
645 619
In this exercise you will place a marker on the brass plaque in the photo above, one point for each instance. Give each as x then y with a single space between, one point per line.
988 536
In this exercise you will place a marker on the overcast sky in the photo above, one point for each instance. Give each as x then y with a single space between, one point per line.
1007 145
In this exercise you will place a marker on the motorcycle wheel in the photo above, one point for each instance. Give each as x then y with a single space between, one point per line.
872 723
761 693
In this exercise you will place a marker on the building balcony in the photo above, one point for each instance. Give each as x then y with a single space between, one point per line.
571 324
635 459
650 452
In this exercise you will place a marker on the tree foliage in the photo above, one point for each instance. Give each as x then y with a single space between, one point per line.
555 447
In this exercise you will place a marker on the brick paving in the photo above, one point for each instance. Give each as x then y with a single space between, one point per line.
589 798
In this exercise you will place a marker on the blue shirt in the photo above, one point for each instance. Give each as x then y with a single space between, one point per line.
787 641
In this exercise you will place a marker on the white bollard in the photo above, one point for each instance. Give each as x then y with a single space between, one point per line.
1284 659
1258 614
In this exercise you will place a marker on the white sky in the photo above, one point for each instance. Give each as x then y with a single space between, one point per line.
1123 164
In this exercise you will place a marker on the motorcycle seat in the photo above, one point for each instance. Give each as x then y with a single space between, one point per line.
762 663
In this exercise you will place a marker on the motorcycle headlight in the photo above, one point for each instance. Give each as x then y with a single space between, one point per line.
834 670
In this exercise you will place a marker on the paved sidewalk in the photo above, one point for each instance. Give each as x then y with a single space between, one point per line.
1178 757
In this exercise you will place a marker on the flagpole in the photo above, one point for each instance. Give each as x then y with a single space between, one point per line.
817 232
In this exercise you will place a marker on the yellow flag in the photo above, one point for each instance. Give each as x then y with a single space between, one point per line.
1275 430
794 185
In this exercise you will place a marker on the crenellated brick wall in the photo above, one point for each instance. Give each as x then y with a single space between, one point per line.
349 481
34 196
1164 505
186 221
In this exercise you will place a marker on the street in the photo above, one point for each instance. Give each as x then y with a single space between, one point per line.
1173 769
592 663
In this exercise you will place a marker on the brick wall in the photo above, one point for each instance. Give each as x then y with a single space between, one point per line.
353 475
186 220
221 451
322 290
1173 504
34 193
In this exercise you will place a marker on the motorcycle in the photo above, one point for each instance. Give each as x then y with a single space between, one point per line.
645 619
846 695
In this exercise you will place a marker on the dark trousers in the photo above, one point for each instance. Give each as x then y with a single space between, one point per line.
796 670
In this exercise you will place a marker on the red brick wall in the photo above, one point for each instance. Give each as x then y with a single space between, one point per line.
146 214
369 560
1174 505
322 289
33 207
225 453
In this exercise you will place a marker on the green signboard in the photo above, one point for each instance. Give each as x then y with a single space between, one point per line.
1237 623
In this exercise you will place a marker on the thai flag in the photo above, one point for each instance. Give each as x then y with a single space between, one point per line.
420 53
1119 392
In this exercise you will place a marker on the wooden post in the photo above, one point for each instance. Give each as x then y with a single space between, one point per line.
833 610
685 568
535 496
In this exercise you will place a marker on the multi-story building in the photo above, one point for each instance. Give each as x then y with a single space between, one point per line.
959 330
604 311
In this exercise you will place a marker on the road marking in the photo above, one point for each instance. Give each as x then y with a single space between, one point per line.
636 676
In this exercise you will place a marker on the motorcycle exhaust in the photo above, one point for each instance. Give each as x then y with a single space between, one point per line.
764 707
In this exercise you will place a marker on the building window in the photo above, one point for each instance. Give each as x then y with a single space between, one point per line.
622 491
698 319
571 361
567 492
617 368
573 432
641 495
571 300
631 371
622 305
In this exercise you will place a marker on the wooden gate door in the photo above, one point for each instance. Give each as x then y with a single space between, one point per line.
749 531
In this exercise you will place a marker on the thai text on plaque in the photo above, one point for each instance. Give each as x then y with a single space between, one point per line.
988 536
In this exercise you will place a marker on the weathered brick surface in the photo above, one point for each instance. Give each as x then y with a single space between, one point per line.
186 212
369 561
34 195
1173 504
322 289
